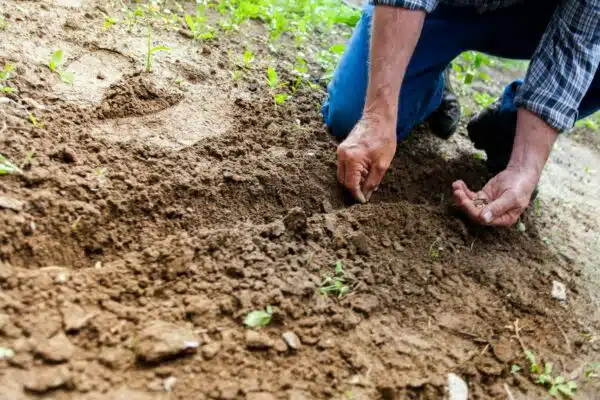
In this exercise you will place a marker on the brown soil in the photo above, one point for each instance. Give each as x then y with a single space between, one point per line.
153 216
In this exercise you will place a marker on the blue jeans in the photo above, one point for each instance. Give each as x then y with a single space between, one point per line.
513 32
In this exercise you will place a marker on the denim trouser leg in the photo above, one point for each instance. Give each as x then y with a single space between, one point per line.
512 32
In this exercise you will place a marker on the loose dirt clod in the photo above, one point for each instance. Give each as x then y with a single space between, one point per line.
161 340
56 349
41 379
258 340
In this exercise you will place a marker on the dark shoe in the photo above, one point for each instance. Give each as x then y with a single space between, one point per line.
443 122
493 131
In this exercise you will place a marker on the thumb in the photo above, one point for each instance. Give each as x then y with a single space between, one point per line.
373 179
494 213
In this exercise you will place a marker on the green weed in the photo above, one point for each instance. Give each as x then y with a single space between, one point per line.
259 319
197 24
335 284
5 75
56 64
483 99
108 22
34 121
3 23
247 58
152 49
556 385
468 66
592 371
6 167
280 98
272 78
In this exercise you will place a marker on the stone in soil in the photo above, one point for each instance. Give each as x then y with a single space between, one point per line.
210 350
292 340
260 396
163 340
41 380
366 304
361 242
74 317
116 358
457 388
559 291
11 204
258 340
56 349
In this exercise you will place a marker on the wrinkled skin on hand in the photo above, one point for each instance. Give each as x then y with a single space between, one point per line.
364 157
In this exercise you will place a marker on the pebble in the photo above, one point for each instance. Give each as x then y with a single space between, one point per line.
56 349
11 204
457 388
116 358
75 317
101 76
258 340
361 242
41 380
366 304
559 291
161 340
292 340
327 207
210 350
169 383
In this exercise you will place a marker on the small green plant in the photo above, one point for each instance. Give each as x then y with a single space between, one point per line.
335 284
478 156
6 167
483 99
197 24
592 371
515 368
5 75
108 22
272 78
3 23
280 98
152 50
468 66
56 64
259 319
247 58
556 385
34 121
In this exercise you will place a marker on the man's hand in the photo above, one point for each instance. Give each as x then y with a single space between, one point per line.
502 201
367 152
364 156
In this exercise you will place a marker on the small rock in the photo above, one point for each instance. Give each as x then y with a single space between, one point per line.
296 220
330 223
235 270
75 317
169 383
361 242
61 277
457 388
65 155
275 229
161 340
210 350
260 396
280 346
41 380
258 340
101 76
56 349
116 358
559 291
292 340
365 304
11 204
438 270
5 352
327 207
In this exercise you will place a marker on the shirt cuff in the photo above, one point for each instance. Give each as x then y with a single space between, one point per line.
422 5
558 115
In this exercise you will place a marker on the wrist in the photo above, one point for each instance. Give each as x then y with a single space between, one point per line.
533 143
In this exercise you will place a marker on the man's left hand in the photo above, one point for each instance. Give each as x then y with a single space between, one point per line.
501 201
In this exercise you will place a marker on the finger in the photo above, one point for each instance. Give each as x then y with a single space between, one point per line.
497 212
373 180
341 169
463 186
465 202
352 180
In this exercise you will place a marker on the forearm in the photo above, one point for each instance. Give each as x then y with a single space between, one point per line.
533 142
394 35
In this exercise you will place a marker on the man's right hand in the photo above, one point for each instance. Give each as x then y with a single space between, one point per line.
365 155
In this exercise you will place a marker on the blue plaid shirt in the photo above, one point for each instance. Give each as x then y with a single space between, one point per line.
564 63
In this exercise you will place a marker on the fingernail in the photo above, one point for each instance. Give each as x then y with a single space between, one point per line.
368 196
360 196
488 216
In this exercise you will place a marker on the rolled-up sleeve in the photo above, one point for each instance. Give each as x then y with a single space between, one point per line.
564 64
424 5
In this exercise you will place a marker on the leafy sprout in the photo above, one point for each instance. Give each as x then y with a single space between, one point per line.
56 64
6 167
197 24
247 58
259 319
556 385
592 371
5 75
335 284
272 78
108 22
152 49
